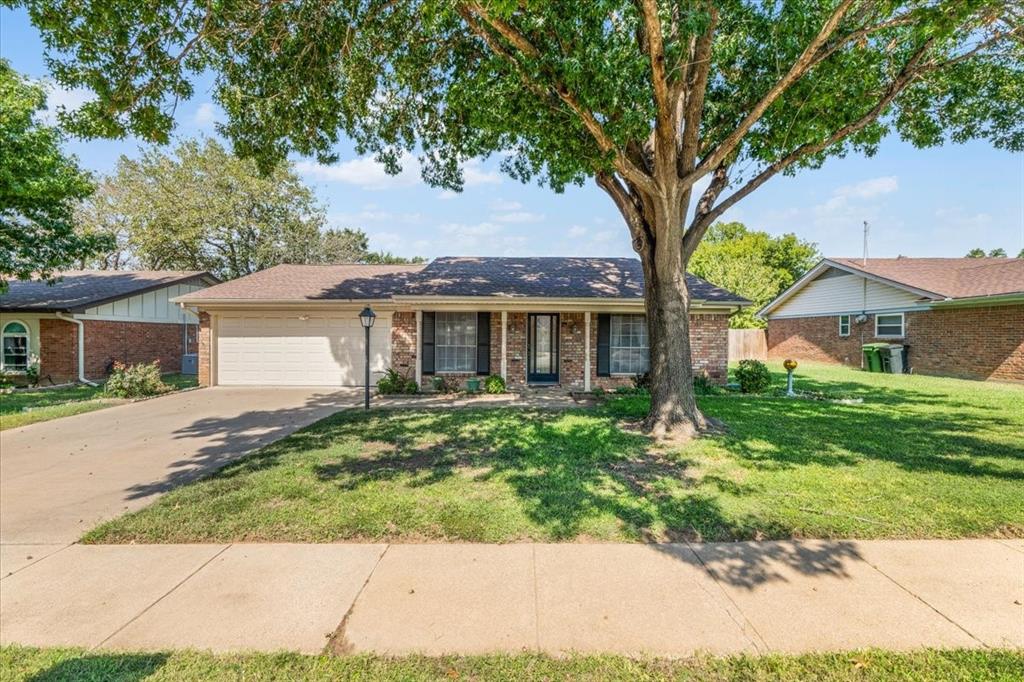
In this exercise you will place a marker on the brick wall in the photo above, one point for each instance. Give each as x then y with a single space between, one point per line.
976 343
132 343
58 351
205 348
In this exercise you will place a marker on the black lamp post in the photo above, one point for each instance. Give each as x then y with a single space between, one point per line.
366 318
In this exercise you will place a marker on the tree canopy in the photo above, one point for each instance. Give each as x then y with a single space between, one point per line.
753 264
202 208
646 97
39 186
999 252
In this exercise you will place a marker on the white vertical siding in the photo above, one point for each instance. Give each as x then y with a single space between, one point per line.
837 294
152 306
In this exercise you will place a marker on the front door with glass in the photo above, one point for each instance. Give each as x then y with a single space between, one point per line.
542 348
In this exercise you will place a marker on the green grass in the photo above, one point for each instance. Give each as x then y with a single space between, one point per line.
920 457
24 663
22 408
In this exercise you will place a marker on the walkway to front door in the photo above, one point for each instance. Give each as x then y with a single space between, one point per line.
542 348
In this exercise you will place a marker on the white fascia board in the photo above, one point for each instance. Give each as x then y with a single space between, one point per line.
821 267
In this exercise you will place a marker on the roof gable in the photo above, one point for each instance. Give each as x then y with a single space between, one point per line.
76 290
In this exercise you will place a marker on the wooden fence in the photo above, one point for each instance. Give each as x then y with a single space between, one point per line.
747 344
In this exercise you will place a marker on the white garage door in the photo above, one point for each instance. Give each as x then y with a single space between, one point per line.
287 350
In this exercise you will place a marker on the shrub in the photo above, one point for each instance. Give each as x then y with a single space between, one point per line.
32 374
393 382
494 384
446 384
642 382
702 385
136 381
753 376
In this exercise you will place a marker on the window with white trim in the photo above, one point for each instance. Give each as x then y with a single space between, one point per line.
15 347
455 342
889 325
844 325
628 351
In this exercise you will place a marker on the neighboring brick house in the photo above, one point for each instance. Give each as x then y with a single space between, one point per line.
78 326
577 323
960 317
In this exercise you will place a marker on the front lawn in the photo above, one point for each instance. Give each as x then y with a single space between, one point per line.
920 457
57 665
22 408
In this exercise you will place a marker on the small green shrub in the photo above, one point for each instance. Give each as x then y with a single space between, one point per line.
394 382
702 385
32 374
494 384
753 376
136 381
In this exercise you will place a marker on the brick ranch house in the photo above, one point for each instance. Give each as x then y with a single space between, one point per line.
960 317
576 323
78 326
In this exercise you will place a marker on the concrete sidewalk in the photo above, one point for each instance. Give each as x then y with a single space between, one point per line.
669 600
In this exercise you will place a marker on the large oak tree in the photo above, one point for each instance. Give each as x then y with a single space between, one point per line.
676 109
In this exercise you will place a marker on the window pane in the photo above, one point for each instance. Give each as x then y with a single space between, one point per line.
455 342
628 344
15 328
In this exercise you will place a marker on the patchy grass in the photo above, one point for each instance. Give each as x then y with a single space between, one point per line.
22 408
54 665
919 458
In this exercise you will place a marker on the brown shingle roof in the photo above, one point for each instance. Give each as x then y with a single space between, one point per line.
312 283
80 289
457 277
947 277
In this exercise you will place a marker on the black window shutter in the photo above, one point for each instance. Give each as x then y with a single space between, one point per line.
604 332
483 343
427 344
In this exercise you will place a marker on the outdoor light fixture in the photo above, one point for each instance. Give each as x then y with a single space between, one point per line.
366 318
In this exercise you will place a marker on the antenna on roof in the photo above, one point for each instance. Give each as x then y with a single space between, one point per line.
864 261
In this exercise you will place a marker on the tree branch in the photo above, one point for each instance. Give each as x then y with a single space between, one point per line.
803 63
664 134
510 33
693 235
907 74
626 203
696 87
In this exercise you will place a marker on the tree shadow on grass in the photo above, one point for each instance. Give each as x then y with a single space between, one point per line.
111 667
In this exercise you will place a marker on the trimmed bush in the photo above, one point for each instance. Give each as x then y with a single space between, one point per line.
753 376
136 381
393 382
494 384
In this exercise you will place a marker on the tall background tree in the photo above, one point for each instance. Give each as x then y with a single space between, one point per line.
39 187
676 109
202 208
753 264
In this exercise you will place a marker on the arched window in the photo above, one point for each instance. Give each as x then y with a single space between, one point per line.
15 346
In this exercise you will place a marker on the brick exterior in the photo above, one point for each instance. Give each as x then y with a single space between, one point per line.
974 343
205 349
58 347
708 337
133 343
129 342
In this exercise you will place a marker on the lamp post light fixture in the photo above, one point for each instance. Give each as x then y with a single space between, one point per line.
366 318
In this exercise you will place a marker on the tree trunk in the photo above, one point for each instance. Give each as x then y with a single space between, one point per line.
674 412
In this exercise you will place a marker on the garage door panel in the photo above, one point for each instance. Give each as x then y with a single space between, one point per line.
280 350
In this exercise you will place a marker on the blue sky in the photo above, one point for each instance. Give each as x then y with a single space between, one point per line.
936 202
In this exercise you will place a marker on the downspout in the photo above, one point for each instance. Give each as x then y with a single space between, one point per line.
81 348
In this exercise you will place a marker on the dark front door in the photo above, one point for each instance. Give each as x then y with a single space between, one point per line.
542 348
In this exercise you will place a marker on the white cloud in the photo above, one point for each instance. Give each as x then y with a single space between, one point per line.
462 230
367 173
604 236
58 98
577 231
866 189
517 217
475 174
205 115
503 205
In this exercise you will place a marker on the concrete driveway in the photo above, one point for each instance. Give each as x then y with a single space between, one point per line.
60 478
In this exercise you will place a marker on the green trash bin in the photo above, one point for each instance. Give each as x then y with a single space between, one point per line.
873 356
